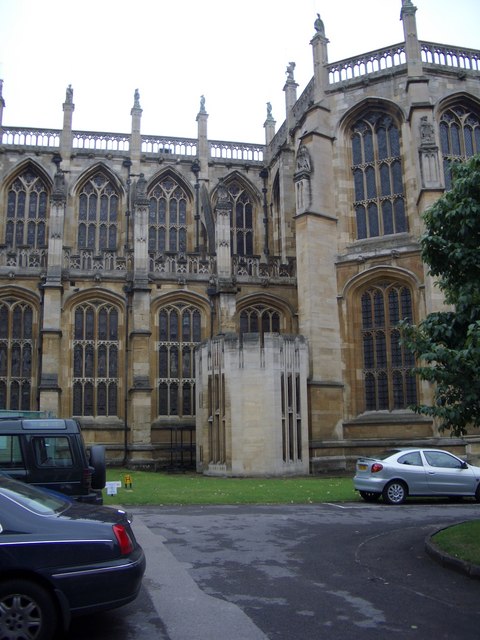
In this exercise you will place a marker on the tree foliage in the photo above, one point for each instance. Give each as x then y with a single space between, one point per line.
447 343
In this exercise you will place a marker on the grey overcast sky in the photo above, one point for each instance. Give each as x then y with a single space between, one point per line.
174 51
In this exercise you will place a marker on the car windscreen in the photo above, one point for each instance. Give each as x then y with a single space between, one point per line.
40 502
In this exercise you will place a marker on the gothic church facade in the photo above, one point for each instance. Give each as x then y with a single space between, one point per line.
235 307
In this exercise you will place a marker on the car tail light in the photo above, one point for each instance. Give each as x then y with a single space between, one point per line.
376 467
87 478
124 540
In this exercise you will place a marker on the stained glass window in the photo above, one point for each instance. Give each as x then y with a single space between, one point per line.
27 205
95 360
98 214
459 137
241 222
260 319
167 217
377 177
179 332
16 355
388 381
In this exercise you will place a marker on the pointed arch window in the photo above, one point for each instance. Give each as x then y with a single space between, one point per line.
98 214
388 381
179 332
459 137
260 319
377 176
27 205
241 223
95 360
167 217
17 349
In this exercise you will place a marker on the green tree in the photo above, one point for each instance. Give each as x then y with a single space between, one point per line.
447 343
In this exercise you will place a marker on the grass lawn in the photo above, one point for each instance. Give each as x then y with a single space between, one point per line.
191 488
150 488
461 541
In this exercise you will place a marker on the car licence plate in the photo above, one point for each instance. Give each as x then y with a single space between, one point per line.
362 467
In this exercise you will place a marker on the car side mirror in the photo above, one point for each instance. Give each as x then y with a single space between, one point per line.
464 465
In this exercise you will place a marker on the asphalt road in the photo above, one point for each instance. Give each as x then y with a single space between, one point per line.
336 571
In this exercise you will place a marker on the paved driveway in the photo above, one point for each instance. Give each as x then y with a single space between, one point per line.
341 572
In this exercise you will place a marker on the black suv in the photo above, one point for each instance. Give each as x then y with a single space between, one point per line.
50 452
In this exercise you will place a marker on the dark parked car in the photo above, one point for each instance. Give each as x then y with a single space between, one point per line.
50 452
415 472
61 558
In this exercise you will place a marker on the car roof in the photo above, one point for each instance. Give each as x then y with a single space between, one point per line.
40 425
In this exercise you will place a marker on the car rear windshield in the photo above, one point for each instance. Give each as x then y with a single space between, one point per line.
41 502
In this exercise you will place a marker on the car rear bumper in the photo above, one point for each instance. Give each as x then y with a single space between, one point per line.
368 483
103 587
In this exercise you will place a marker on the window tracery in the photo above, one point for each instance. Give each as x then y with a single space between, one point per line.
179 332
260 319
16 355
167 219
388 381
378 177
459 137
95 360
241 223
98 214
27 205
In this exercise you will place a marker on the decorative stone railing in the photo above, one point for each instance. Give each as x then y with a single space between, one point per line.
180 263
432 53
242 151
166 145
29 137
120 143
91 260
23 257
445 55
279 140
305 100
367 63
100 141
253 267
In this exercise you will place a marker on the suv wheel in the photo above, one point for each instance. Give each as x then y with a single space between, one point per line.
97 461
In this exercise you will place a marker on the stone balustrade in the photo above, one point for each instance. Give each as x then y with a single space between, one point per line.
367 63
448 56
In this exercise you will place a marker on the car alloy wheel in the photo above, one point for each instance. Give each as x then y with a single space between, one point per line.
26 611
394 492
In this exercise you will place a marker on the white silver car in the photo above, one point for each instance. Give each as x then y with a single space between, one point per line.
415 472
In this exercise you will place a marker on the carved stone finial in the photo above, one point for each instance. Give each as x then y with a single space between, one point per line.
202 104
69 95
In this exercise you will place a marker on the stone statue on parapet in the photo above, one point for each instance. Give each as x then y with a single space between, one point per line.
319 26
290 70
136 99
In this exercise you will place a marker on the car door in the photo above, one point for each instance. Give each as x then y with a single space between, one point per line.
447 474
411 468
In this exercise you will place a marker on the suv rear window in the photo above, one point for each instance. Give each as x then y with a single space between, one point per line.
52 451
